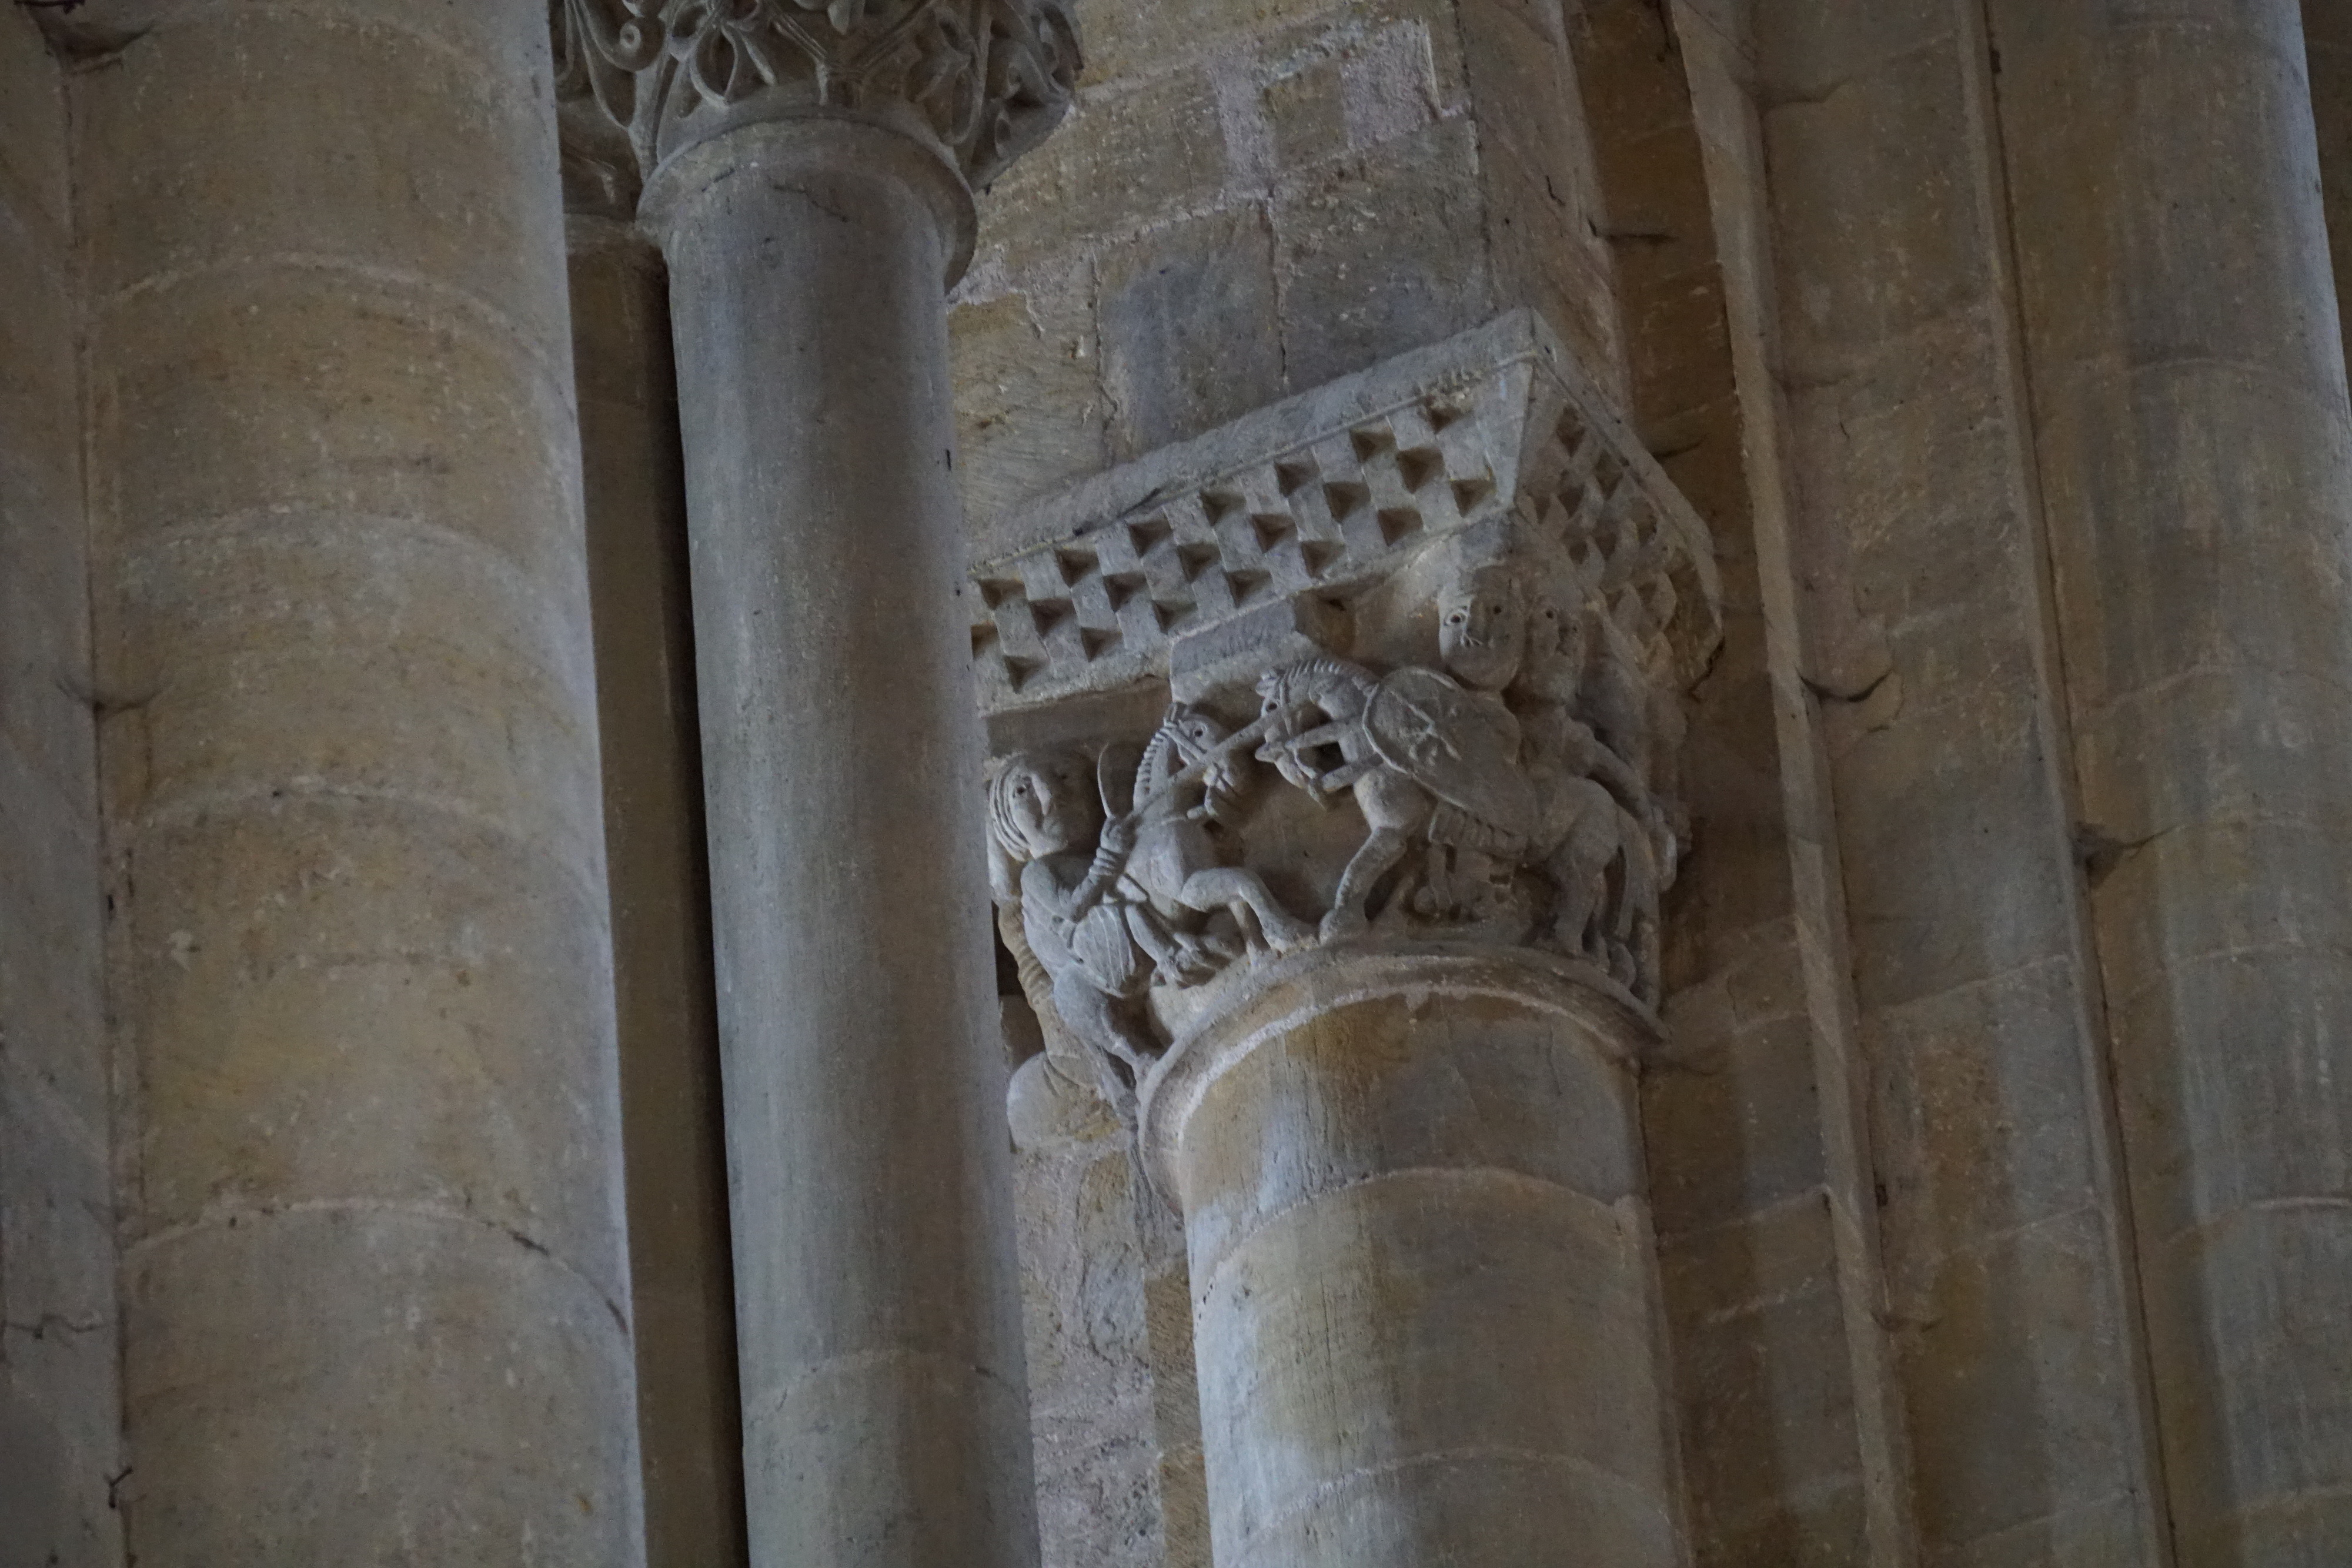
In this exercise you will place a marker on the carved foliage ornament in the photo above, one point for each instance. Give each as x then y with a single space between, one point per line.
991 78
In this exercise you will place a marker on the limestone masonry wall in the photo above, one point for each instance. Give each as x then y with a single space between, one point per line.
1253 197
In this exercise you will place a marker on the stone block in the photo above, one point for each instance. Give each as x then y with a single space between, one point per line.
2018 1385
1678 355
1091 1378
1124 40
1475 1501
1768 1441
689 1422
1480 1084
1032 412
1908 457
1126 156
1190 333
2159 232
56 1500
340 399
1545 254
620 322
1237 651
282 157
1374 256
2235 1085
1734 1124
1955 869
2206 538
1628 71
1524 90
1446 1299
52 1018
1399 66
40 403
483 1376
58 1339
2246 1318
1826 46
1984 1119
294 655
1309 113
2241 747
47 690
1860 176
35 179
337 1000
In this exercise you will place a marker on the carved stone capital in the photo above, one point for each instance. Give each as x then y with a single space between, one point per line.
978 81
1402 660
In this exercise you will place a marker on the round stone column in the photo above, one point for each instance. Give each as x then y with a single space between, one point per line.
809 187
883 1391
2180 328
1424 1288
375 1305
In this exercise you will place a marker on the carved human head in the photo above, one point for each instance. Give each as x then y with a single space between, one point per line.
1043 803
1482 634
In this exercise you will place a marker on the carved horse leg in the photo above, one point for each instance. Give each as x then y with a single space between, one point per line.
1579 870
1220 887
1379 853
1092 1018
1637 911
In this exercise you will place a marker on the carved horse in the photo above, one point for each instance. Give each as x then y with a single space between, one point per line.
1423 755
1174 866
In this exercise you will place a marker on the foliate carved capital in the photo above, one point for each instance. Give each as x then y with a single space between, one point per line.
1428 632
984 80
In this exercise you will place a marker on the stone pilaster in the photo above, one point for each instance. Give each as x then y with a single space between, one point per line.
809 170
1361 930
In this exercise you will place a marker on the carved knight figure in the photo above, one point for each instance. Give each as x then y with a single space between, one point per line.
1422 755
1055 864
1594 834
1105 904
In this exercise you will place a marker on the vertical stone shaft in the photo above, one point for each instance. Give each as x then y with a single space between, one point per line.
372 1262
885 1417
634 491
2196 452
1424 1296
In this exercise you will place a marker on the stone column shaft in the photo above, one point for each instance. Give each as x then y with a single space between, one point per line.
376 1308
2196 455
679 1271
884 1411
1425 1303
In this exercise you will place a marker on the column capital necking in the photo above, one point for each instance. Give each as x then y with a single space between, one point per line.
981 81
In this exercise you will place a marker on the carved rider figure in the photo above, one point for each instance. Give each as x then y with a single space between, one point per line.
1056 860
1109 904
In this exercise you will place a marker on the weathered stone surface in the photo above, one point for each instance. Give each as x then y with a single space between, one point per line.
60 1379
369 1136
879 1332
1034 412
681 1280
1423 1290
1403 195
1328 494
1191 327
2181 328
